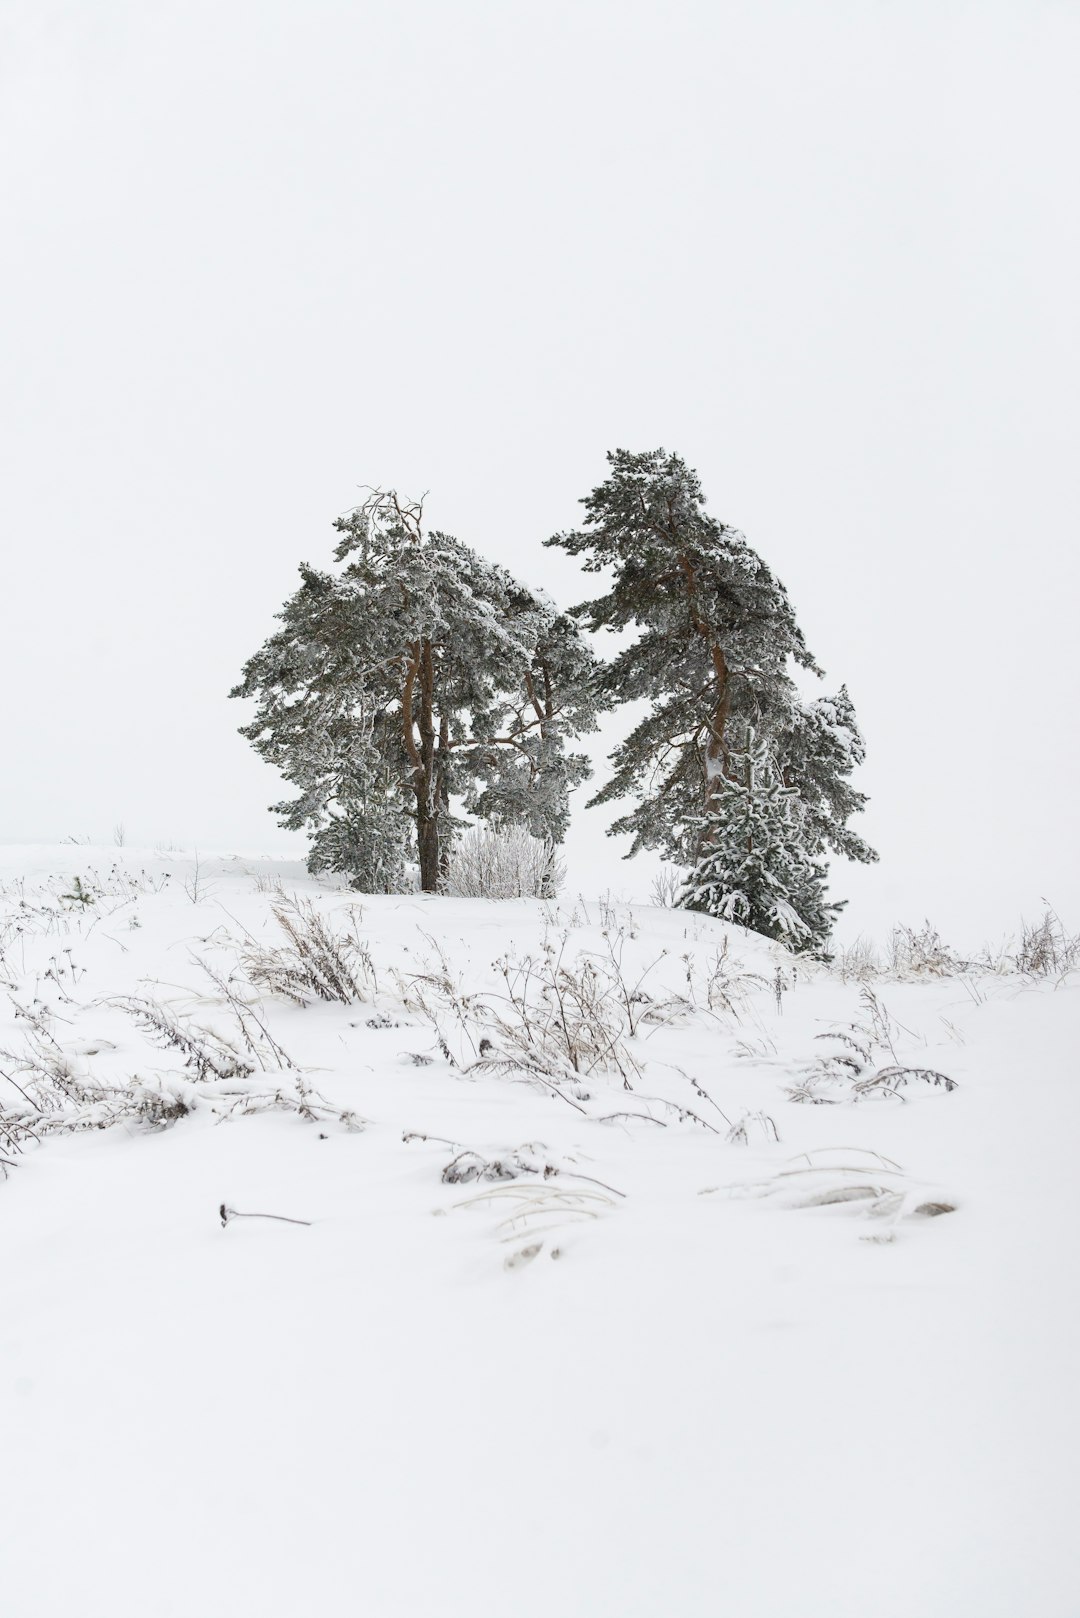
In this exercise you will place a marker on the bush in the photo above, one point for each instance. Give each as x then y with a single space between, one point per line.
667 884
504 863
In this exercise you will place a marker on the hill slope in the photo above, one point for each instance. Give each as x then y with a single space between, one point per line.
748 1313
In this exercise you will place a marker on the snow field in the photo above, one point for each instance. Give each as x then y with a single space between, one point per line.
718 1392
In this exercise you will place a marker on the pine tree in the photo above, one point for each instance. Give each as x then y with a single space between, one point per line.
715 658
415 675
753 866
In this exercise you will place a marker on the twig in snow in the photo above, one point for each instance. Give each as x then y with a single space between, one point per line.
234 1213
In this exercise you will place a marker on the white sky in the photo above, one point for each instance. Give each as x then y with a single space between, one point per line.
260 253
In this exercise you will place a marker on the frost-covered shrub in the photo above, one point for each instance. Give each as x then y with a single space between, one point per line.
666 886
503 863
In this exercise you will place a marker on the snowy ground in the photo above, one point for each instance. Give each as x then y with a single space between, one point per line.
671 1375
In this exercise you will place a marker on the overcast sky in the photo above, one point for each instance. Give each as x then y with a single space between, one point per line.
259 253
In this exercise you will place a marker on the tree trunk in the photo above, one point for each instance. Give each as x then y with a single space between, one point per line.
427 788
427 841
715 750
418 715
442 797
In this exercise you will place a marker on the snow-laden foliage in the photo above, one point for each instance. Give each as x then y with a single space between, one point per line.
754 867
715 657
415 674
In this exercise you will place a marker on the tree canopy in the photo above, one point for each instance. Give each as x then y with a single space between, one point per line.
715 657
415 676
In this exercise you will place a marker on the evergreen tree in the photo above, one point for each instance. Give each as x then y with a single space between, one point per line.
715 657
753 866
415 674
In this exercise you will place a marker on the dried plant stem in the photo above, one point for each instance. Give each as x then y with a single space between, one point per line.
227 1214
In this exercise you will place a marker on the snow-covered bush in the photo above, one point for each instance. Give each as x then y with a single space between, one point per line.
666 886
507 862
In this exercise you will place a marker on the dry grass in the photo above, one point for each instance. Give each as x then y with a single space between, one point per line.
860 1061
555 1021
314 963
1045 949
922 953
856 1179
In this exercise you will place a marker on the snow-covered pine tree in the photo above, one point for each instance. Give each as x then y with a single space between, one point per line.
717 649
415 674
753 866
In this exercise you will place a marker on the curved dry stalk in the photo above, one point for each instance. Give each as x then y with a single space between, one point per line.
226 1214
